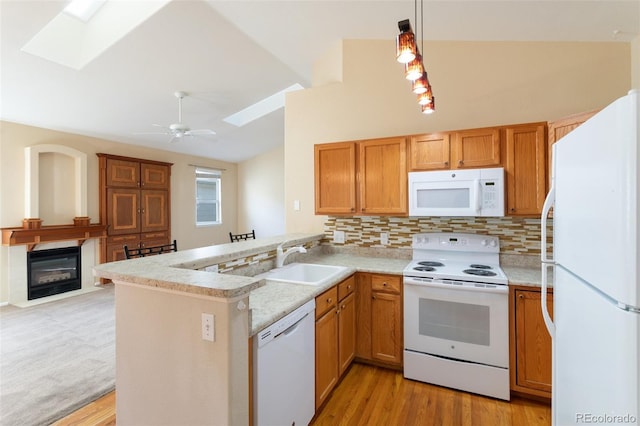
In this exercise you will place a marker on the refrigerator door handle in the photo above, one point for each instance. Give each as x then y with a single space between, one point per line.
551 327
548 203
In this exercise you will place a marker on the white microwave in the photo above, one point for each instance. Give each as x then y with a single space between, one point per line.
472 192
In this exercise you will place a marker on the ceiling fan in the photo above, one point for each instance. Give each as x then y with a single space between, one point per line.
179 130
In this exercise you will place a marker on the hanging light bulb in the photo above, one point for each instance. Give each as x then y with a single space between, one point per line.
405 43
430 107
414 69
425 97
420 85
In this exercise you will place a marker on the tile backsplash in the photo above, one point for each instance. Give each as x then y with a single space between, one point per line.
517 235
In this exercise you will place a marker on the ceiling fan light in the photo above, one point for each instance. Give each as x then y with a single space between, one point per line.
414 69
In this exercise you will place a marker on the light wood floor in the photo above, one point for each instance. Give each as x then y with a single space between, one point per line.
375 396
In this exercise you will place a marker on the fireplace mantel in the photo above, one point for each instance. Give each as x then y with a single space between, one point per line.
48 234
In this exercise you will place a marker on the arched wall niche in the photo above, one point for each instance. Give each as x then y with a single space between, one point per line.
33 156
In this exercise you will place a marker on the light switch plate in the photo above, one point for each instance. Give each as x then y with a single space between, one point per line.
208 327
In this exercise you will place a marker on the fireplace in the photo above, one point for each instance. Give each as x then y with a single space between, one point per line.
53 271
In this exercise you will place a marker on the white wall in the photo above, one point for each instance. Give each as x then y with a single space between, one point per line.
476 84
261 194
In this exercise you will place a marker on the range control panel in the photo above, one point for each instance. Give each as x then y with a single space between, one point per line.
456 242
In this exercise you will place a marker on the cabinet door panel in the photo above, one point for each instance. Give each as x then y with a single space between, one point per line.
533 343
115 246
429 152
525 168
154 213
123 173
347 332
382 166
154 176
363 315
476 148
386 318
326 355
335 178
122 211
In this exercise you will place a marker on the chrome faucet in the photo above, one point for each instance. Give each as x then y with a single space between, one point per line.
282 255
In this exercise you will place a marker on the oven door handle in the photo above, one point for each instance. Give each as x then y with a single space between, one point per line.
480 288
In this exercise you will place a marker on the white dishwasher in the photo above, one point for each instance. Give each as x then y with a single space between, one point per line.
284 370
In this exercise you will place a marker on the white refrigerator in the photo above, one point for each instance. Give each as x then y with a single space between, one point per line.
596 264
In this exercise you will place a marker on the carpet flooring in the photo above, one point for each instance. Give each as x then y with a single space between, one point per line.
56 357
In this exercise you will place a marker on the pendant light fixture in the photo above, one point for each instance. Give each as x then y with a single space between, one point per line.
405 43
407 52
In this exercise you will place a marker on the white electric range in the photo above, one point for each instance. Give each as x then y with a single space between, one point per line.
456 325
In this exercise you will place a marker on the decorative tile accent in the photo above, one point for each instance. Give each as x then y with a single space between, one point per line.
517 235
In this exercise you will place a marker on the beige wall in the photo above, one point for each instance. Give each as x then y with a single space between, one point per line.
635 63
475 84
15 137
261 194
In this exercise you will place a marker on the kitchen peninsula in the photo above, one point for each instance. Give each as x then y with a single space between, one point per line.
166 372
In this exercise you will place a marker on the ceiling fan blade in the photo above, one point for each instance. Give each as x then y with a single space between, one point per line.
160 125
152 133
201 132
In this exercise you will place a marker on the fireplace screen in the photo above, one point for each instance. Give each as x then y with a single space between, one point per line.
53 271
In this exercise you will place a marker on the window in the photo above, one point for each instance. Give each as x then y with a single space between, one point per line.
207 197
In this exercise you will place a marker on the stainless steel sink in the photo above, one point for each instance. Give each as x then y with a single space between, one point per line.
304 273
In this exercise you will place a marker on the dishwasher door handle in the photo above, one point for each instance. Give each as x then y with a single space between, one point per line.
291 329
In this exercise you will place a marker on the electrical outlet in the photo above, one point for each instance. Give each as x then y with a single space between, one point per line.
384 238
338 237
208 327
211 268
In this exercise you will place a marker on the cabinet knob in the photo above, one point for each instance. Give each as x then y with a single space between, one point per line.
446 163
349 287
342 307
352 209
384 284
329 300
521 296
513 209
373 297
460 163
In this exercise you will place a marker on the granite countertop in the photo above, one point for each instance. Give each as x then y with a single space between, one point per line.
275 300
178 271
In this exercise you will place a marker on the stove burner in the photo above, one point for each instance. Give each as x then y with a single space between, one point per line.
480 272
431 263
424 268
476 266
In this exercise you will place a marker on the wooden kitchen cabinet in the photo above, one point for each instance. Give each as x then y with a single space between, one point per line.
335 178
530 343
379 319
525 147
335 336
365 177
474 148
429 152
134 204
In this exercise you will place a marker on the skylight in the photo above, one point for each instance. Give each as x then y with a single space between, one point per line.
261 108
86 28
83 9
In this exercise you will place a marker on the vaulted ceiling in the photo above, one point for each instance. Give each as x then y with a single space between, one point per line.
228 55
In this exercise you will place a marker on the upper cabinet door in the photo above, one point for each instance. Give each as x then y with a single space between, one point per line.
525 168
382 168
335 178
429 152
123 173
154 176
476 148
